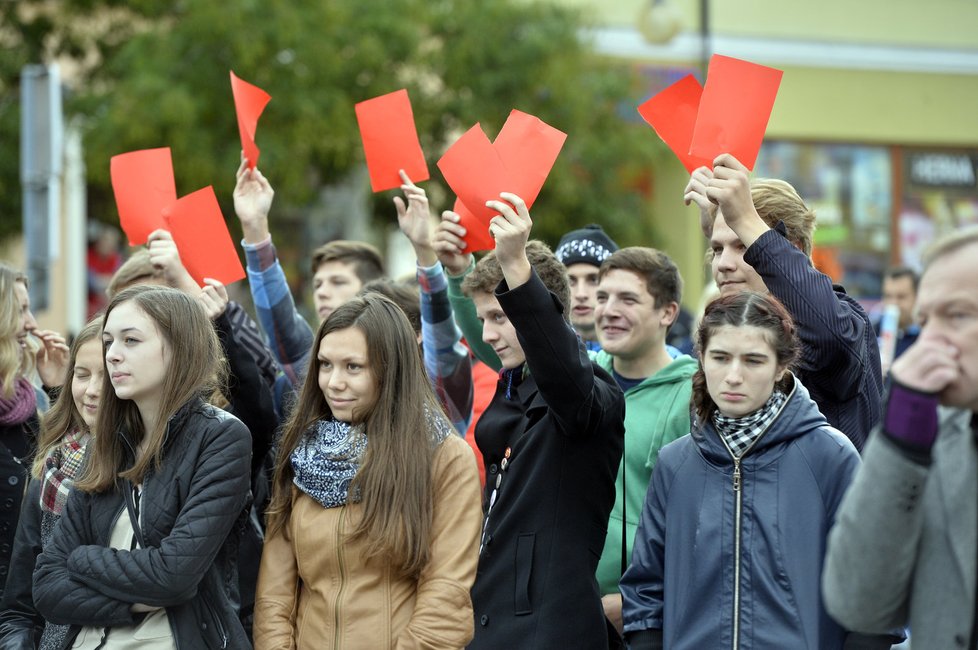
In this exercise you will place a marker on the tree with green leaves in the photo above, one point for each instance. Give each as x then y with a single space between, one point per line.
150 73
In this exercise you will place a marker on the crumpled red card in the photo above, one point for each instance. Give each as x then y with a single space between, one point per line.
390 140
734 110
249 102
202 237
672 113
477 237
529 148
474 170
143 184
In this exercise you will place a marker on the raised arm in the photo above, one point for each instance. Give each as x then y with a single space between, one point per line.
448 244
447 361
289 335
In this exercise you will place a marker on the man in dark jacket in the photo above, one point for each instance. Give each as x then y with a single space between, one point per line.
551 440
761 239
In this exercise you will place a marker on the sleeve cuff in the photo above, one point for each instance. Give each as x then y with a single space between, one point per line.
911 419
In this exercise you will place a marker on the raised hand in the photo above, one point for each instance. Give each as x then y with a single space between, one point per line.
730 190
449 243
511 230
414 220
214 298
165 257
253 196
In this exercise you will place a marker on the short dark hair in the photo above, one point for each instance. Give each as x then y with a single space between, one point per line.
366 260
897 272
662 278
487 274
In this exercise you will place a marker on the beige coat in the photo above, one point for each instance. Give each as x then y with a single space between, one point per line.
315 591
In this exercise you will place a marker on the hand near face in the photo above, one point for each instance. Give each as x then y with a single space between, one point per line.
449 244
511 230
928 366
695 192
52 357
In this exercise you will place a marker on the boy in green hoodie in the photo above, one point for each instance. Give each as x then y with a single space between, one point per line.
639 290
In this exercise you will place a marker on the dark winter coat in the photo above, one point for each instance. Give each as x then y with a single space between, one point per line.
681 583
17 442
191 514
564 426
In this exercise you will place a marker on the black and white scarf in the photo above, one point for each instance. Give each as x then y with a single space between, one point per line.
739 433
329 456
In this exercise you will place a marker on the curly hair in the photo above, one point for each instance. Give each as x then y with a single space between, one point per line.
487 274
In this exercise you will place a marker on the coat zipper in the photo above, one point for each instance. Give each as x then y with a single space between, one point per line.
738 509
337 637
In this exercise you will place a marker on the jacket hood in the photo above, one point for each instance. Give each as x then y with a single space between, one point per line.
681 369
799 416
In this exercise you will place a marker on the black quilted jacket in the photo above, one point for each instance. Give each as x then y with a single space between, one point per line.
190 515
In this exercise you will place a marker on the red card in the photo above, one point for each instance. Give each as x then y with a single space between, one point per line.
474 170
477 237
202 237
735 109
672 113
249 102
390 140
143 184
529 148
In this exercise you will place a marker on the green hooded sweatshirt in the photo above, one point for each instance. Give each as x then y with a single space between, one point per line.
656 413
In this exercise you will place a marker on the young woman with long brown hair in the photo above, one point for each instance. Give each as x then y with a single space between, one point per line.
372 534
144 553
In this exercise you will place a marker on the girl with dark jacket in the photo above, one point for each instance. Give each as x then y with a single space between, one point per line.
23 348
144 555
730 547
65 433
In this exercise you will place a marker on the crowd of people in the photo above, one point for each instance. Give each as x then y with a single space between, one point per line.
185 474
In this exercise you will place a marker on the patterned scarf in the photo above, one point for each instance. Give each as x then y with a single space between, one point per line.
740 433
19 407
329 455
61 466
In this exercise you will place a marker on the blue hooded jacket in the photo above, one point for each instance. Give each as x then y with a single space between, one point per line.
682 579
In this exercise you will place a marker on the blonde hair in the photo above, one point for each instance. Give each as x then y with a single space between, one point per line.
15 361
776 200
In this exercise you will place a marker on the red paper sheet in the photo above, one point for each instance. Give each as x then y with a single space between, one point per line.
477 237
672 113
529 148
249 102
202 237
735 109
474 170
390 140
143 184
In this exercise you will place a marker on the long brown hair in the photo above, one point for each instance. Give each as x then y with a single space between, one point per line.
394 477
195 363
747 308
63 417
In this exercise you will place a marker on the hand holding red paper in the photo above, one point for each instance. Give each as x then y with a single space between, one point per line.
729 188
143 184
390 140
249 103
449 243
165 258
695 192
511 230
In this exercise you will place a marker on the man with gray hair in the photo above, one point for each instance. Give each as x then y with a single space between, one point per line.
904 549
